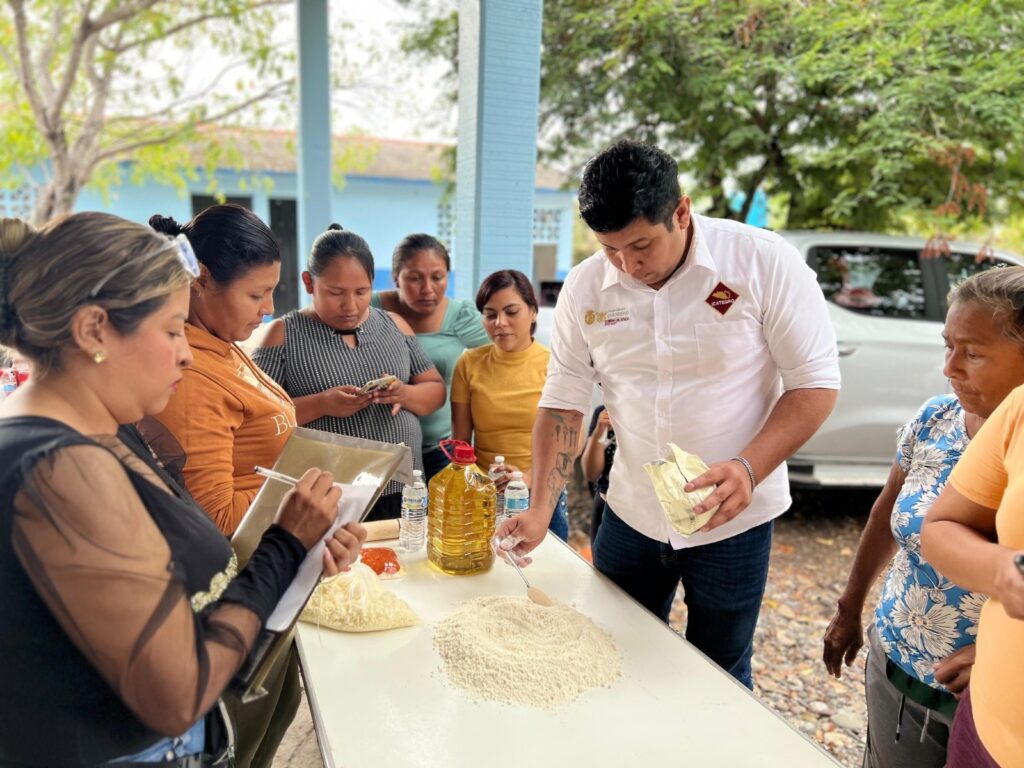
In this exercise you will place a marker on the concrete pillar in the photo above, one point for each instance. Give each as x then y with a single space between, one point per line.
314 150
261 203
499 85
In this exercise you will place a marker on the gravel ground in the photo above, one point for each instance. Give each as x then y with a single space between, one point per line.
811 555
812 552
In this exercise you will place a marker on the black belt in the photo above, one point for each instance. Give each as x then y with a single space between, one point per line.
942 702
220 735
188 761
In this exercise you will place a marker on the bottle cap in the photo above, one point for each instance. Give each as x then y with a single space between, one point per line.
499 459
517 475
417 473
458 451
464 454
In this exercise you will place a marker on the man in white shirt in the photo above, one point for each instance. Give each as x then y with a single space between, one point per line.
702 332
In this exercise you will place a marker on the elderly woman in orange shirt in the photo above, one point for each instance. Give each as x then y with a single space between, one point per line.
228 416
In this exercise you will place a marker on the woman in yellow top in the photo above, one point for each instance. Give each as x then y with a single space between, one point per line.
228 416
496 388
973 534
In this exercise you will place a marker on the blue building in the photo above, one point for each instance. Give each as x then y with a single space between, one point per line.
757 216
386 189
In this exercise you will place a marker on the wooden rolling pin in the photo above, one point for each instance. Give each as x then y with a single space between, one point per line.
378 530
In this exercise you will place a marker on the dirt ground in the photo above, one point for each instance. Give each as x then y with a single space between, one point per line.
812 552
811 555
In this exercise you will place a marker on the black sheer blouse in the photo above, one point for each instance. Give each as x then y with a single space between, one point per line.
122 618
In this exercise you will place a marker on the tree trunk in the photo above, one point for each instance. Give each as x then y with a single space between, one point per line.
719 200
57 197
748 200
750 189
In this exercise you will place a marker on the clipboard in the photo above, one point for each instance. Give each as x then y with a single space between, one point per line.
353 461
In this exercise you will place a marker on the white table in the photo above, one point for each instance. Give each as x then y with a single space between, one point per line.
381 699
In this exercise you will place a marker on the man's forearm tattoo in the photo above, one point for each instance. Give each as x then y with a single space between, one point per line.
565 433
567 437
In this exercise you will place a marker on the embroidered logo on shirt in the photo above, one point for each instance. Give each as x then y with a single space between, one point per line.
616 316
721 298
610 317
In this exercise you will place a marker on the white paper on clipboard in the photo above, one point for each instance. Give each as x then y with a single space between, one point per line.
354 501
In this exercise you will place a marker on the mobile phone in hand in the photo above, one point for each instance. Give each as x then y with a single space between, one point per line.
376 384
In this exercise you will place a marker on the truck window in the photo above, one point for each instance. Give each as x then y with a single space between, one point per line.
872 281
960 266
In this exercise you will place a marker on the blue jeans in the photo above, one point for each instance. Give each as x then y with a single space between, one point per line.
723 585
192 742
559 524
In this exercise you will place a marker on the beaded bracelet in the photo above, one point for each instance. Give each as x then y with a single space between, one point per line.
750 470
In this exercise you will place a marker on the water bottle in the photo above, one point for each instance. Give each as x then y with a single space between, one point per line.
8 383
412 532
517 497
495 474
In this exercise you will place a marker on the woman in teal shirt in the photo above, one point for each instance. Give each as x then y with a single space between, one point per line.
445 327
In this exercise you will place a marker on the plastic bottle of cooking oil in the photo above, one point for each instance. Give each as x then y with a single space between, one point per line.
462 512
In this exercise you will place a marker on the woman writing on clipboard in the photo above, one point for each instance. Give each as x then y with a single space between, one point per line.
124 615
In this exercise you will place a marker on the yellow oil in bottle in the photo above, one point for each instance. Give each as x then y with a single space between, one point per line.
460 521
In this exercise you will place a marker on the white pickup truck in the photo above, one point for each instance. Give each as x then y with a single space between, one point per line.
887 304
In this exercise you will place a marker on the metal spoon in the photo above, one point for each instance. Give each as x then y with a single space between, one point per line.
536 594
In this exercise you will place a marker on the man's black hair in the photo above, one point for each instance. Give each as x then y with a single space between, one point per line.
626 181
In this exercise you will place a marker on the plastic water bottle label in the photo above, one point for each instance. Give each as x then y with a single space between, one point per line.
412 531
516 504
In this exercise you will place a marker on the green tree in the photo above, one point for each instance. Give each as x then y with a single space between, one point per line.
853 112
584 243
88 84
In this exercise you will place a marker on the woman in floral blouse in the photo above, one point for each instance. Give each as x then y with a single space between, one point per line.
921 643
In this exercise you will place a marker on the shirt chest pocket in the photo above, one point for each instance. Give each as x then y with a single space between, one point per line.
726 348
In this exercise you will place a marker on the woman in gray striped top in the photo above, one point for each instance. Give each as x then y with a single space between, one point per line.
323 354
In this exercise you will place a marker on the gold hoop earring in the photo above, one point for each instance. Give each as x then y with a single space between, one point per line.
99 357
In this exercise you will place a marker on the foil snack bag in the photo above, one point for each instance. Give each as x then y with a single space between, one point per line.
668 476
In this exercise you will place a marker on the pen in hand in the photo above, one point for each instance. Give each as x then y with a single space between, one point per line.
274 475
281 477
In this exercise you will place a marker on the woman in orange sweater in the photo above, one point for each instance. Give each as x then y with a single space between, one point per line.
228 416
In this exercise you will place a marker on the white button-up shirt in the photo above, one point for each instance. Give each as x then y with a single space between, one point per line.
700 362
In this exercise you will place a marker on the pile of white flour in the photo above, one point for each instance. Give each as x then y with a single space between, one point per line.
512 650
